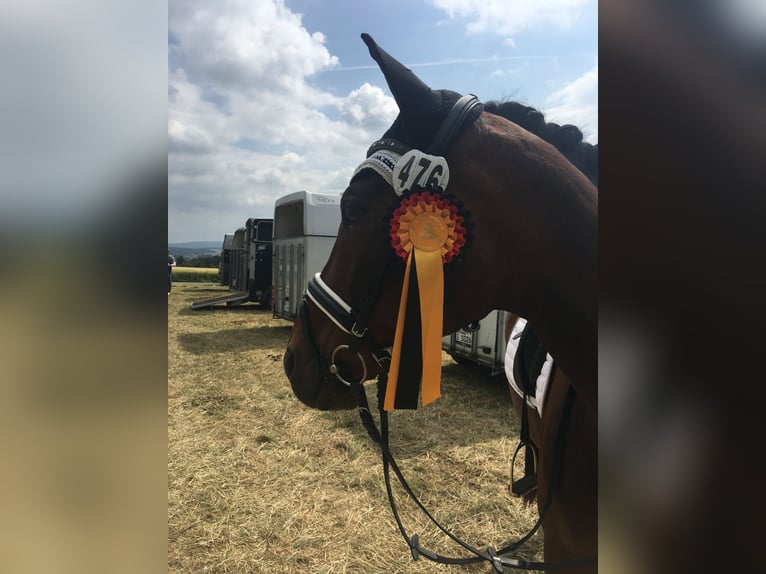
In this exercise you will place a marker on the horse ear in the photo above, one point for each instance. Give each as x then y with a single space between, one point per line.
411 94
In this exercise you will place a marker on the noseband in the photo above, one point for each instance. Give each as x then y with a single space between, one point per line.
350 321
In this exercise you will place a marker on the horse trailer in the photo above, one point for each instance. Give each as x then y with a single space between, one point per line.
305 227
224 267
247 269
482 342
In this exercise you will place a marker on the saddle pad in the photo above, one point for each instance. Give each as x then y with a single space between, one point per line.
541 382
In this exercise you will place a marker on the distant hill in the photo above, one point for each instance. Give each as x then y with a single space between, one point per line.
197 244
196 248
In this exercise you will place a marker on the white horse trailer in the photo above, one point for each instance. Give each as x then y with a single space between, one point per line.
482 342
305 227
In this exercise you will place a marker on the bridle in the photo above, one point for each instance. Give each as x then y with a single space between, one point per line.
353 321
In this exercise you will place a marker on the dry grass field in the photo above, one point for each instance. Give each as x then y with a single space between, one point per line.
257 482
201 270
195 274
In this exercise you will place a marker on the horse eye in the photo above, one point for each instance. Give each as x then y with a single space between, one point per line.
351 212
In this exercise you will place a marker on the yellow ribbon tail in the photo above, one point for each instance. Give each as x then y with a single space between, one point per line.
430 272
396 351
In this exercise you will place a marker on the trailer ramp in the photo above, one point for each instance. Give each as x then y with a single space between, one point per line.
230 299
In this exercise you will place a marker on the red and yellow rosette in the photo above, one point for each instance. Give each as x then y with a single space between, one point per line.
428 229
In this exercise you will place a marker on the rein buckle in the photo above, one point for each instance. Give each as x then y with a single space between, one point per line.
380 360
356 333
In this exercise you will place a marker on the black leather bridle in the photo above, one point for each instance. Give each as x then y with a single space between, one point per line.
353 320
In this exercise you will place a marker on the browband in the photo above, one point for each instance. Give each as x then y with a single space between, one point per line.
382 162
384 153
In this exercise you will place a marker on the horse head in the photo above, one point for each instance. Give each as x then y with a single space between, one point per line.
502 186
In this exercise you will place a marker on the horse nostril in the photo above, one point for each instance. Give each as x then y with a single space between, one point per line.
288 362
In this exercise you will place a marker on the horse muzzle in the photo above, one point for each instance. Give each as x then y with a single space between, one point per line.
330 380
315 386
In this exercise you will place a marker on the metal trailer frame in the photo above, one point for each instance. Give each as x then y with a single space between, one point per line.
305 227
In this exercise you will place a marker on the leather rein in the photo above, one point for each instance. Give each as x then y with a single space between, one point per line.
381 437
353 321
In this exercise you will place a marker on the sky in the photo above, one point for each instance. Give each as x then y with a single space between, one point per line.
269 97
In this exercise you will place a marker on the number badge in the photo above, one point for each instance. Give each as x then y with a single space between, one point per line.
416 168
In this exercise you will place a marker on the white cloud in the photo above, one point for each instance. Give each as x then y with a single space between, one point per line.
247 122
509 17
247 45
189 139
369 106
245 126
577 104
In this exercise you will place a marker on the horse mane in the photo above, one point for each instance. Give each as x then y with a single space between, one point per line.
567 138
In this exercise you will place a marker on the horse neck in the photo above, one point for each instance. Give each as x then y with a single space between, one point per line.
549 240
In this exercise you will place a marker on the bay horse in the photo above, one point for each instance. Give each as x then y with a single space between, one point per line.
524 216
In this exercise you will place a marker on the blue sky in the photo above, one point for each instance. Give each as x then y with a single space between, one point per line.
267 97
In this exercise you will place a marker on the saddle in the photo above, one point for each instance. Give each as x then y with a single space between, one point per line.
529 360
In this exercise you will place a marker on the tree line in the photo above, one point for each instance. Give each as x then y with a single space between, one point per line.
209 261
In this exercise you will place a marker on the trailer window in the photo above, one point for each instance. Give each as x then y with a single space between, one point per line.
263 231
288 220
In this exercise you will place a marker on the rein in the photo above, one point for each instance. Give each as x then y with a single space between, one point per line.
494 557
381 437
